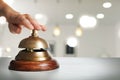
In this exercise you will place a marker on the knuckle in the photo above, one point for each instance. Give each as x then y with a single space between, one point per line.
26 15
20 18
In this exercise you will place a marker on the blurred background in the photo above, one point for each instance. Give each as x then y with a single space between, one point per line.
75 28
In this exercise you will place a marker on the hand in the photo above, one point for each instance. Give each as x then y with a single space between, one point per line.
17 20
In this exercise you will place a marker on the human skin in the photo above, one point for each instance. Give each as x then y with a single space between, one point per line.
17 20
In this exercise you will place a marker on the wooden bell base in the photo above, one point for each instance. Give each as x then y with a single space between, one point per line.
33 65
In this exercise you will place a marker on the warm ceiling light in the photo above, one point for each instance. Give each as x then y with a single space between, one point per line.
69 16
107 5
87 21
78 31
56 31
8 49
100 16
42 19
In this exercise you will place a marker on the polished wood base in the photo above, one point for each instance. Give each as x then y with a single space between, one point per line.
33 65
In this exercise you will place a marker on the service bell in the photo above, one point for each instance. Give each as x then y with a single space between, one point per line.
34 56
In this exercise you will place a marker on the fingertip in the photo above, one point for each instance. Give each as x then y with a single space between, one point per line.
31 28
43 28
40 27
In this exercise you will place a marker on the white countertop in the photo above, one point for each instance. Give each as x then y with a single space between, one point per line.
70 69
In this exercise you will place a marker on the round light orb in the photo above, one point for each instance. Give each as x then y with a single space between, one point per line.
100 16
8 49
107 4
2 20
87 21
69 16
72 42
